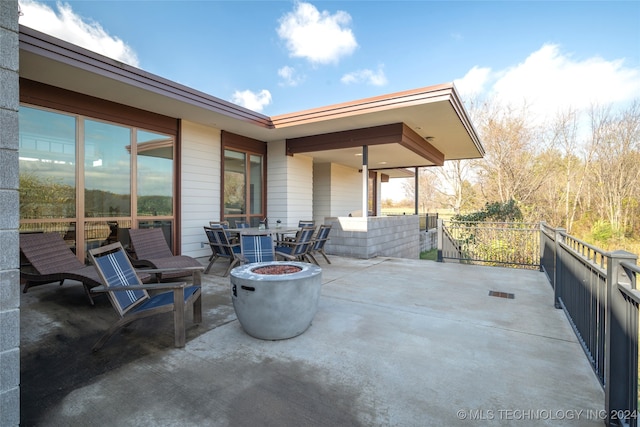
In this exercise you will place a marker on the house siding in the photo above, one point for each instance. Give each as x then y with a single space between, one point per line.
201 182
346 190
337 191
321 192
277 180
300 188
289 185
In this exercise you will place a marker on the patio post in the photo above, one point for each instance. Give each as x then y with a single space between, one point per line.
440 239
557 285
365 180
417 189
621 344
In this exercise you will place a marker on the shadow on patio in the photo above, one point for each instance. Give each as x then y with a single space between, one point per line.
394 342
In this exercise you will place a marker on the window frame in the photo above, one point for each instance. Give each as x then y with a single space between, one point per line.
83 107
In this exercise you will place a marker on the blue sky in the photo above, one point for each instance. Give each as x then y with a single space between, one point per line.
278 57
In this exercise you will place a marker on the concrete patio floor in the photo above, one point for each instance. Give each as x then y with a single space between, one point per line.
395 342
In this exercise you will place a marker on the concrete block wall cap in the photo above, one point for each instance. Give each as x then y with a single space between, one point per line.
245 271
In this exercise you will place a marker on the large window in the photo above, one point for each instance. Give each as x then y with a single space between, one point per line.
107 170
76 171
155 174
243 187
47 165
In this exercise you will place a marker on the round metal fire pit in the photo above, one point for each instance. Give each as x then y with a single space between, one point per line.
276 306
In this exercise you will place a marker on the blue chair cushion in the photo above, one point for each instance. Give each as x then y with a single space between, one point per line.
165 298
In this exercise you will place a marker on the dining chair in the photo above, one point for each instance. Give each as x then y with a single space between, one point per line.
317 245
257 248
297 250
221 247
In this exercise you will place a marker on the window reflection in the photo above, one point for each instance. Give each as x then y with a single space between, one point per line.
47 164
234 183
255 189
243 187
107 170
155 174
51 179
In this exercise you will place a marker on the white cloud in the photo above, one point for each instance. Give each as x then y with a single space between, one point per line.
319 37
370 77
289 76
473 83
549 81
251 100
65 24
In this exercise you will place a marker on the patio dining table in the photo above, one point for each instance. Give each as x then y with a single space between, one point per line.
255 231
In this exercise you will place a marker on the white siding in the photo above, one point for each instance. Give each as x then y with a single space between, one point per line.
346 191
322 192
201 180
300 188
276 182
289 186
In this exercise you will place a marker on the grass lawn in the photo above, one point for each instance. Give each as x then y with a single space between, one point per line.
431 255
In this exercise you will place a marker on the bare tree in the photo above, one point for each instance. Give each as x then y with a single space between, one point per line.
454 184
510 169
617 171
574 167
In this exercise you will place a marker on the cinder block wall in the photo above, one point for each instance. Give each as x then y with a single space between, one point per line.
428 240
9 217
369 237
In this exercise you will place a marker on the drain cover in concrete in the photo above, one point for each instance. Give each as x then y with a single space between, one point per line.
501 294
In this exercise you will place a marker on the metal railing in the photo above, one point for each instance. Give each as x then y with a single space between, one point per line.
428 221
490 243
597 291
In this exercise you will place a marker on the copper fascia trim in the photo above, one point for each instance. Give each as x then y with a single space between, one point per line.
368 105
58 50
385 134
458 106
396 133
414 142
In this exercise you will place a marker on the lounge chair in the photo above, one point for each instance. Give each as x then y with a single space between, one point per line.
296 250
317 245
129 296
52 260
222 248
258 248
151 250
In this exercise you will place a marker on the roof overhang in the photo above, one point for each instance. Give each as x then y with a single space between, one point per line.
421 127
388 147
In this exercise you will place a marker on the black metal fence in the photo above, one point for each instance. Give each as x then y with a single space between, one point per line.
428 221
490 243
597 291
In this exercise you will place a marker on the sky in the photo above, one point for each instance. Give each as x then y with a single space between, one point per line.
278 57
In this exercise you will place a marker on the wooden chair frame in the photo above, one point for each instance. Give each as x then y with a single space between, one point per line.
130 298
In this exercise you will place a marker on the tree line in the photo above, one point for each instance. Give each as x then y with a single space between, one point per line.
579 170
